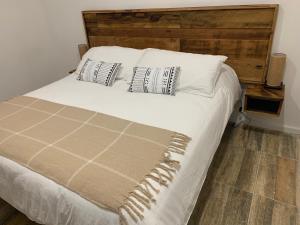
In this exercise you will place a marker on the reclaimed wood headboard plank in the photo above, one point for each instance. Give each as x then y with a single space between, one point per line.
243 33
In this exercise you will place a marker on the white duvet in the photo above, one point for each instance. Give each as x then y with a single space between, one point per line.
201 118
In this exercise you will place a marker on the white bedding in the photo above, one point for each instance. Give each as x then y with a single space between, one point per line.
201 118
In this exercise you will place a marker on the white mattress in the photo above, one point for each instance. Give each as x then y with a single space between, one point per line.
203 119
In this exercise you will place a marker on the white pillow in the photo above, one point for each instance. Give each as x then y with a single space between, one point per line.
199 73
128 57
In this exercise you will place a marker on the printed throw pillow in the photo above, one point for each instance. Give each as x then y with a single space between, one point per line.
154 80
99 72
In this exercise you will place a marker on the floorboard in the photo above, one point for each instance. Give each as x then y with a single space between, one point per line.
254 179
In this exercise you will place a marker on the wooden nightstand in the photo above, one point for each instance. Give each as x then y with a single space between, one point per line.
259 99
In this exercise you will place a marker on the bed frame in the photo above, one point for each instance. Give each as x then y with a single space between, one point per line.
243 33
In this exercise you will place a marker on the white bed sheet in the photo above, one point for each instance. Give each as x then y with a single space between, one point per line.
203 119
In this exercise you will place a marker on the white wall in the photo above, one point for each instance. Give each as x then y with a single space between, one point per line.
27 53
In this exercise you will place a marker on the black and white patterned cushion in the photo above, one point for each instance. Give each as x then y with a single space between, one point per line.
154 80
99 72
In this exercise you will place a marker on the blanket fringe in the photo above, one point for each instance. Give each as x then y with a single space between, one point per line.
147 184
162 174
135 204
134 210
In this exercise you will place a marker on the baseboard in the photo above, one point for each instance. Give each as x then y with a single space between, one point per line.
263 122
274 126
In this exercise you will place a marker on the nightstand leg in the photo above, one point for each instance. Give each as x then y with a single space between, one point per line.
242 118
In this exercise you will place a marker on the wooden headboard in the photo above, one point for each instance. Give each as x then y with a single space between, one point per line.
243 33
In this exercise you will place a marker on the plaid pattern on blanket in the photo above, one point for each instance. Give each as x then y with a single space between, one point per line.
114 163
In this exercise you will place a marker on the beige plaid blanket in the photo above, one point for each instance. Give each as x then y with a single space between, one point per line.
114 163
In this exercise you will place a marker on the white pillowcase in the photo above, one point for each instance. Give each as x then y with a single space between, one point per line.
128 57
199 73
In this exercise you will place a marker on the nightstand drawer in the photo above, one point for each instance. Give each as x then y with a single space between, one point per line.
260 100
263 105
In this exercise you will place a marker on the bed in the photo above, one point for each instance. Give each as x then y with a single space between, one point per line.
201 118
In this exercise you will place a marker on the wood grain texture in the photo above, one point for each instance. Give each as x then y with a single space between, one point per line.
238 168
247 34
298 187
266 177
259 92
20 219
229 18
243 33
247 138
273 178
82 49
259 99
262 211
268 212
248 172
288 146
283 145
230 166
286 181
297 141
187 9
253 138
284 215
136 42
271 142
214 209
237 208
6 212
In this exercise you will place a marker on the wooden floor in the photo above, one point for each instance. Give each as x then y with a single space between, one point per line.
253 180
